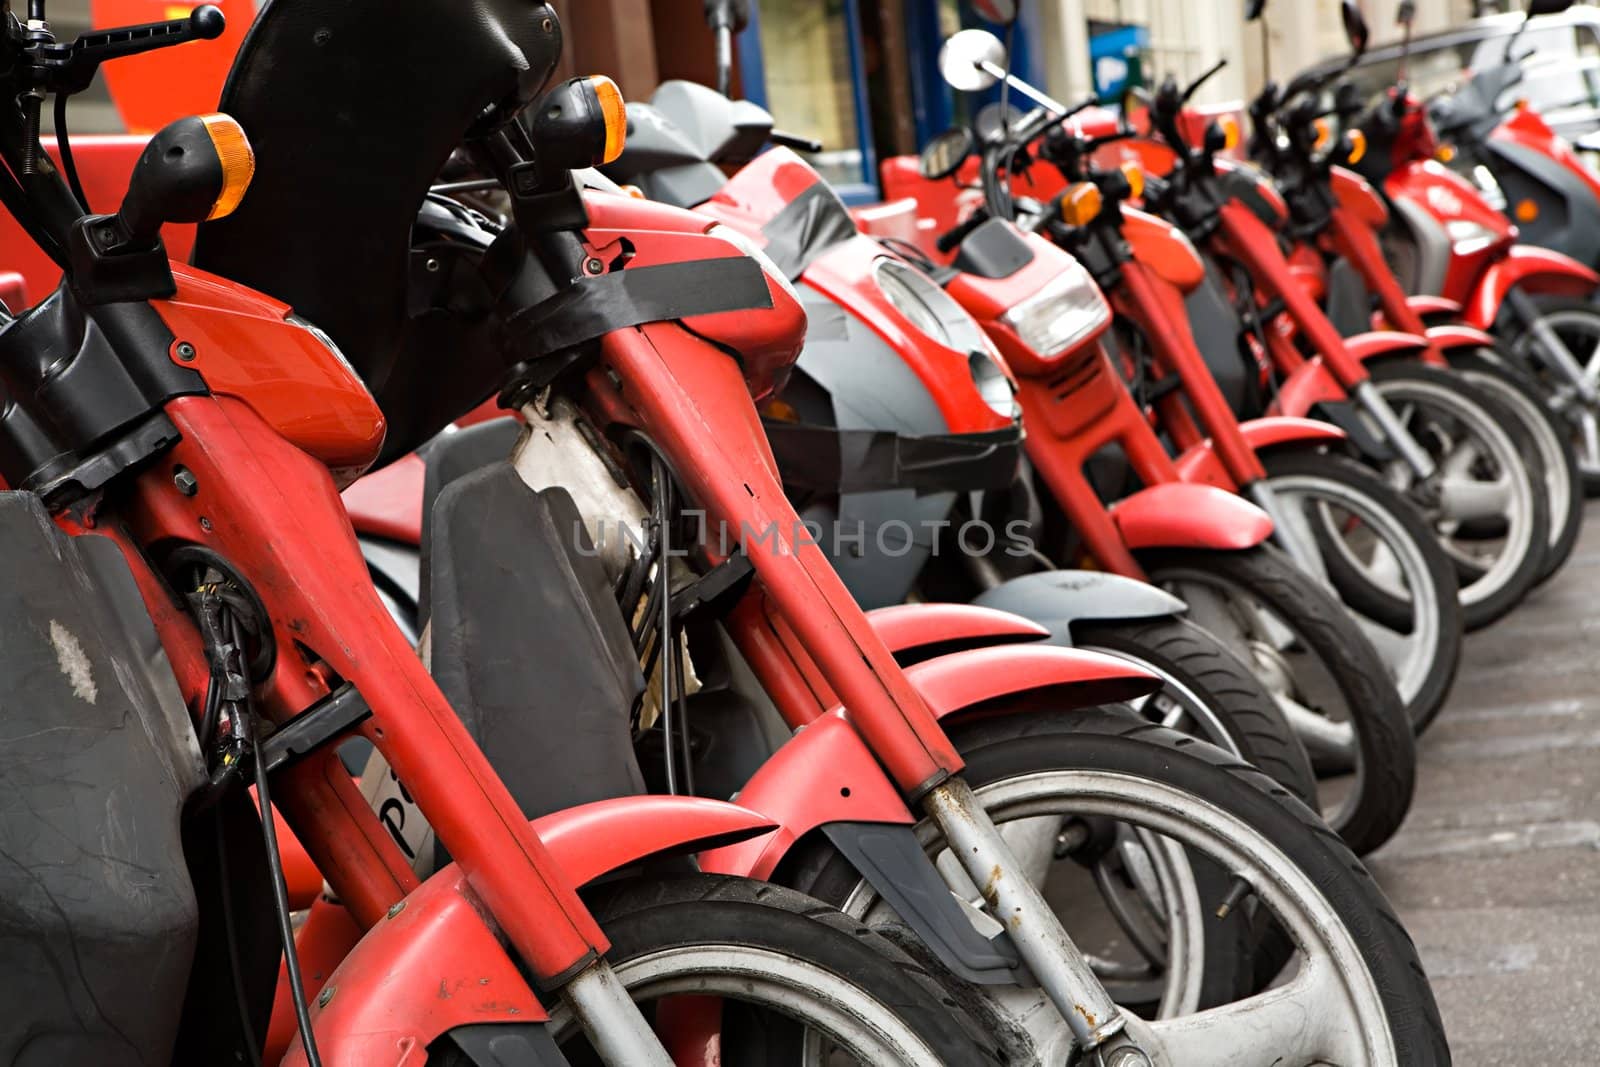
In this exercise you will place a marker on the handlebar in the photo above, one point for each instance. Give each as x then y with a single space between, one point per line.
952 238
794 141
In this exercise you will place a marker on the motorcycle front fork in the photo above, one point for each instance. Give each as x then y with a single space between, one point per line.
1579 398
1291 530
1394 430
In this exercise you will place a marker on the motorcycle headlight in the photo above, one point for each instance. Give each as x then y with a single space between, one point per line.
755 252
316 331
1468 237
1061 314
993 384
930 309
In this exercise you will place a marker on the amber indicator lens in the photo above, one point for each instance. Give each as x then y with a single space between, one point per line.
238 161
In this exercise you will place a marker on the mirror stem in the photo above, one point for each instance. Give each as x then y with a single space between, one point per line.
724 59
1044 100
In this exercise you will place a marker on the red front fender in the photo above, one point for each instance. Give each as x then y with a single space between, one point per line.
1180 515
433 965
826 773
1453 338
1199 465
1379 344
950 627
1534 270
1433 305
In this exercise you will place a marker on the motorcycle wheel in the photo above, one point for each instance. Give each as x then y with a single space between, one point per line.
1487 505
1564 476
1343 946
800 984
1325 675
1207 693
1577 323
1386 567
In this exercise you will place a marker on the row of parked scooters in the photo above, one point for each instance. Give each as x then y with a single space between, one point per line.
983 627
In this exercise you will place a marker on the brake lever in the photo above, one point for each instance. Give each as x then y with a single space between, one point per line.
70 68
794 141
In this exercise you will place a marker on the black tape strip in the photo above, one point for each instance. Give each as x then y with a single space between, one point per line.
808 226
825 460
621 299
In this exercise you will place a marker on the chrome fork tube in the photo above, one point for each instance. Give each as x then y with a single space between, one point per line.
1290 530
1550 344
616 1029
1394 431
1056 963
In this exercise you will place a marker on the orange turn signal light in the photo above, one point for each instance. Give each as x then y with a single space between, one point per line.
1081 204
1230 132
238 161
1527 210
1355 146
1135 175
1324 134
1446 153
615 113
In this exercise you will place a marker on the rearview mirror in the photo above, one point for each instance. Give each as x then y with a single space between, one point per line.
944 154
1355 26
1253 10
734 14
999 12
964 57
1547 7
1407 12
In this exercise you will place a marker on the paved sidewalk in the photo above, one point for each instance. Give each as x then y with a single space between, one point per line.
1497 871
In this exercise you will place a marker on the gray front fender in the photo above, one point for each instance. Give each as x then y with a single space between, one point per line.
1058 599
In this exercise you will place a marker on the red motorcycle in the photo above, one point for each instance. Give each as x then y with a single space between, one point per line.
1334 517
188 437
1451 246
1338 220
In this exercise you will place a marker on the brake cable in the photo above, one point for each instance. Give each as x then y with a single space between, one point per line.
229 702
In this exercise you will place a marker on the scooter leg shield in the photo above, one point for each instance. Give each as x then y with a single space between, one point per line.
98 914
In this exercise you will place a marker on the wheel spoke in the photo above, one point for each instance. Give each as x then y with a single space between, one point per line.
1320 734
1291 1026
1465 499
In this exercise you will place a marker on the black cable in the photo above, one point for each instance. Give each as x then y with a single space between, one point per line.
64 145
668 655
280 890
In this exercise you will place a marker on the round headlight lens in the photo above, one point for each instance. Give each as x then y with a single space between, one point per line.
929 308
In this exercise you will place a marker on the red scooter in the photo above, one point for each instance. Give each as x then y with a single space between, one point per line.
1337 223
190 435
1462 256
1337 519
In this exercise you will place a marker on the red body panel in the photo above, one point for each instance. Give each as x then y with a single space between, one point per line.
825 773
607 835
1199 463
768 341
388 503
245 349
13 291
427 969
1533 270
1527 127
1310 384
1180 515
1355 194
1433 305
1447 196
904 627
1163 249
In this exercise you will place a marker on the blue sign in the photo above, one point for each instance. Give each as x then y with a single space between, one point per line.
1114 57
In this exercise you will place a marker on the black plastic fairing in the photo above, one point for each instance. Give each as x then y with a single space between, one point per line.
353 107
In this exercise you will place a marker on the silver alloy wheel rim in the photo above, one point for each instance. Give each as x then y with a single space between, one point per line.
1356 1036
1566 323
1188 703
834 1010
1557 487
1415 667
1404 395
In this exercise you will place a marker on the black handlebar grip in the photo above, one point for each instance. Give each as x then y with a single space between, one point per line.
953 237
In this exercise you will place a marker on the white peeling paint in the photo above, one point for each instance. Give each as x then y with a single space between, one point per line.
74 662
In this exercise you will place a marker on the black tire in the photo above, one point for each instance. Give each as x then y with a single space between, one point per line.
1520 342
1242 708
1107 741
1364 598
1385 749
1484 607
1522 397
644 917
